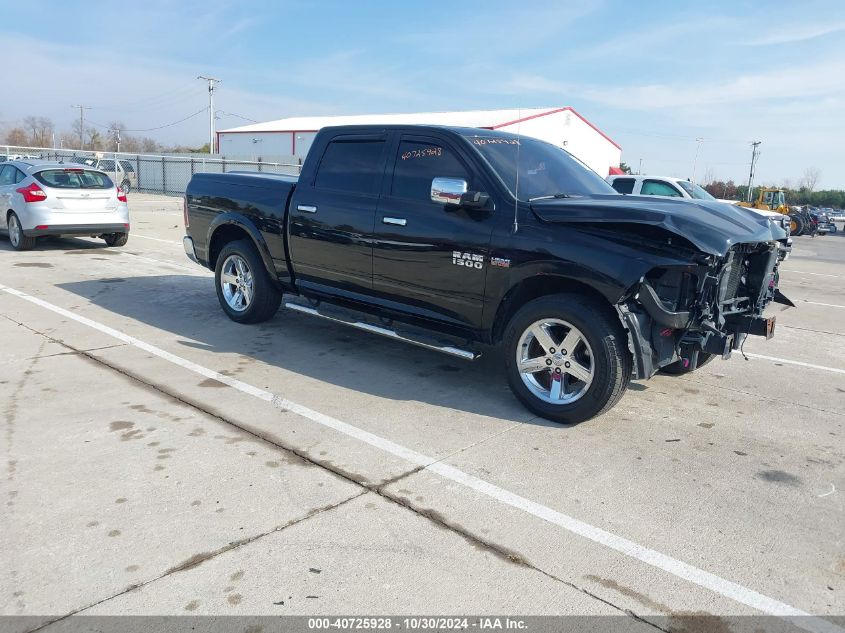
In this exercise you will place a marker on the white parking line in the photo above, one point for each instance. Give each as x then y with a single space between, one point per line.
677 568
155 239
194 269
816 303
806 272
786 361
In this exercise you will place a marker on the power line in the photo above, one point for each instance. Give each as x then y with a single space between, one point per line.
677 136
245 118
160 127
155 100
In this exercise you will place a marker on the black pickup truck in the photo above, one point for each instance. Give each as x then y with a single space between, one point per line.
460 238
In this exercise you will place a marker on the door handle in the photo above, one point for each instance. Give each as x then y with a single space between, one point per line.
307 208
396 221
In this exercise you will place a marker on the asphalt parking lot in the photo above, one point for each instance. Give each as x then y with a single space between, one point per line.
160 459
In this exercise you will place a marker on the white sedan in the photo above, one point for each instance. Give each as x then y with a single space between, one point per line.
47 198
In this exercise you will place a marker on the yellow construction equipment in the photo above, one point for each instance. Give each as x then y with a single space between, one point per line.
773 199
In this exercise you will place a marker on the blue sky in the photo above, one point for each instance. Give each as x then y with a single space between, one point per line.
653 75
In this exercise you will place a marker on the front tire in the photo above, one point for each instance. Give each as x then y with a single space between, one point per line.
125 186
566 358
19 241
796 226
245 290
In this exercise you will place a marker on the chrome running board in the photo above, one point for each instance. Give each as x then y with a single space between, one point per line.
383 331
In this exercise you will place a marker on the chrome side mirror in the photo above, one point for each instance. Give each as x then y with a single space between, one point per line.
448 190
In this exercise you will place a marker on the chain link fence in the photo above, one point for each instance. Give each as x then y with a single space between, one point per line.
153 173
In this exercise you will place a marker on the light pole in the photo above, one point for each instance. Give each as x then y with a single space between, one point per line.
211 81
699 140
754 155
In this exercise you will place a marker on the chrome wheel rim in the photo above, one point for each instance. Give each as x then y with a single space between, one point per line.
237 283
555 361
14 231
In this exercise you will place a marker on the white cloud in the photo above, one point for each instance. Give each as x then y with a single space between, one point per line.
770 87
797 34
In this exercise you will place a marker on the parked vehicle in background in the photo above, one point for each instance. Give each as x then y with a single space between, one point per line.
125 174
4 158
39 198
823 222
668 186
454 238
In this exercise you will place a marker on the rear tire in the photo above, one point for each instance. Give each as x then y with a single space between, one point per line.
599 354
126 186
679 369
20 242
245 290
116 239
798 223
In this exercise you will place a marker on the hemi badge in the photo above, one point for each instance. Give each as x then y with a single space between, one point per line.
500 262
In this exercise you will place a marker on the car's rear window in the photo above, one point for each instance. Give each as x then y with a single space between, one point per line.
73 179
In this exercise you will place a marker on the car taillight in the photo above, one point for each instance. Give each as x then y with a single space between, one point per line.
121 195
32 193
185 211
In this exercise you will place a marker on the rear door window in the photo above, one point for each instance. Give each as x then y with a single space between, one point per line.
658 188
73 179
352 165
127 166
623 185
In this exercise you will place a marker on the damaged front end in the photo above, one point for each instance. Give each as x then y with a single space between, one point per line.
708 306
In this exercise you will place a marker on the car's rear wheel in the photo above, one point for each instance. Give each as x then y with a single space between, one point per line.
566 359
245 290
126 186
681 367
116 239
20 242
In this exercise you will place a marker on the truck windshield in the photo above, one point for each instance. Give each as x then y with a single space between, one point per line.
544 169
695 191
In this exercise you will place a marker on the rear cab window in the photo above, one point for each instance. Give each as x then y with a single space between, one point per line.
352 165
623 185
73 179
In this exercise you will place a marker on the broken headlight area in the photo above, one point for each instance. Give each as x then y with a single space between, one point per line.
711 306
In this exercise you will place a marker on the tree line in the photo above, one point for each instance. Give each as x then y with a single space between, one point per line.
801 195
38 131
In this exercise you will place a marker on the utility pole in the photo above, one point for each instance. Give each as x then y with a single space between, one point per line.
695 160
640 168
754 155
211 81
82 109
116 138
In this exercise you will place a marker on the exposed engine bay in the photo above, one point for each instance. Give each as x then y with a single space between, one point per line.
710 306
